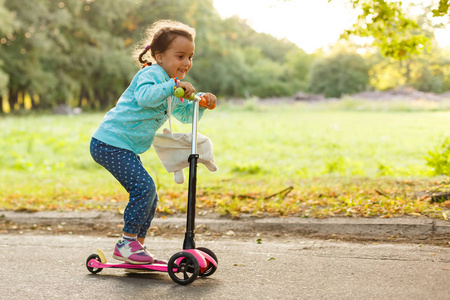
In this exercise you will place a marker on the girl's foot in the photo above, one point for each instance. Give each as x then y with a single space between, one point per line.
132 252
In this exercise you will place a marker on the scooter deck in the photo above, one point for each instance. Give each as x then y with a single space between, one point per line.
93 263
202 258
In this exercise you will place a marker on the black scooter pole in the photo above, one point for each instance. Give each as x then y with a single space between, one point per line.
189 238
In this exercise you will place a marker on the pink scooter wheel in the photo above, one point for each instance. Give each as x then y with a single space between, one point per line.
91 269
183 268
210 269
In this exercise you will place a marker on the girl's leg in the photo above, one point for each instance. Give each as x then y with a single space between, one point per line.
143 199
127 168
145 227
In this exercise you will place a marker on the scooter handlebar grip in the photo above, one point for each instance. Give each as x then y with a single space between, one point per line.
179 93
204 103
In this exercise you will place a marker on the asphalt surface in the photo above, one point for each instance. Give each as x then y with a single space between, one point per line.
53 267
44 256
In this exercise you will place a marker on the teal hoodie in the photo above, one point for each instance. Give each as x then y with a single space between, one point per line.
142 110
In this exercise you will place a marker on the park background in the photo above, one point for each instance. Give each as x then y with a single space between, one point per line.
357 128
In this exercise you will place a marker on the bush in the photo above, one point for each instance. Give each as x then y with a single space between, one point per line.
439 159
339 74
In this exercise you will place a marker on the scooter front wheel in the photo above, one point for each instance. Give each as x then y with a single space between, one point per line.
183 268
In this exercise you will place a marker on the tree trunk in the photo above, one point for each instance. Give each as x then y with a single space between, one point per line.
408 73
12 99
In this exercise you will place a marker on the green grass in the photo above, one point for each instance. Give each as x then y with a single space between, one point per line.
340 159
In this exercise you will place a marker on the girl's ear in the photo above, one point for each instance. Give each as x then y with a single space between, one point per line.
158 56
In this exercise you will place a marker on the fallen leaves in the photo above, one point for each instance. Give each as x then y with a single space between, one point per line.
318 198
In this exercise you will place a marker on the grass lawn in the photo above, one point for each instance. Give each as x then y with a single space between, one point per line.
308 160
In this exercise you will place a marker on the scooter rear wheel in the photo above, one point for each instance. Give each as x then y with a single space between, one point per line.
91 269
210 269
187 269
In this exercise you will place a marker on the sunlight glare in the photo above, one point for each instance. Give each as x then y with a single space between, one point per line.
308 24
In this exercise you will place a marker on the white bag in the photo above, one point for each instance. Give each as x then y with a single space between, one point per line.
173 149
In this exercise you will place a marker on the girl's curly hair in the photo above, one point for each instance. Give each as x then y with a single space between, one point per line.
159 37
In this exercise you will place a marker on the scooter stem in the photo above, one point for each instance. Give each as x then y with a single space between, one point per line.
194 128
189 239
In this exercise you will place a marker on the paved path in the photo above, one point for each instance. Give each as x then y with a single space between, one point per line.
404 229
53 267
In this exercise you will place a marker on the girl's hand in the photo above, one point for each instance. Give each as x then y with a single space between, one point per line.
188 88
211 100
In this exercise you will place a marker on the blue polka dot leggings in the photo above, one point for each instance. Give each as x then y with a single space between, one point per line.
127 168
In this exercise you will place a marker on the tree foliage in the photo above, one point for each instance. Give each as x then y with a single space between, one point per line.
429 72
6 26
394 34
391 30
442 9
78 52
342 73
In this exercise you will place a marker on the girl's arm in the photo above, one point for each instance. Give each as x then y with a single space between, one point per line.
184 113
152 89
184 110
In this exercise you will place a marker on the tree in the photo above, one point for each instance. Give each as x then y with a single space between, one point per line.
78 52
299 64
428 72
6 25
341 73
241 62
61 50
443 8
392 31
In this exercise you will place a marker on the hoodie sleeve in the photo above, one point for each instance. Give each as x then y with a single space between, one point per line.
183 111
152 89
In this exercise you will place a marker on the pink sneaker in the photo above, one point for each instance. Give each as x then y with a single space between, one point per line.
132 252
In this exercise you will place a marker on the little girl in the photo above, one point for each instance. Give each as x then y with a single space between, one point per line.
128 129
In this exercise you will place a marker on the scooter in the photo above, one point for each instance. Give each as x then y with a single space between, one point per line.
185 266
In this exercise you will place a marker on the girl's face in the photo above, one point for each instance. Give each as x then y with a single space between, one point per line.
177 59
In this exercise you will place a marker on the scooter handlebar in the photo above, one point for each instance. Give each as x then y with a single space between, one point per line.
179 93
